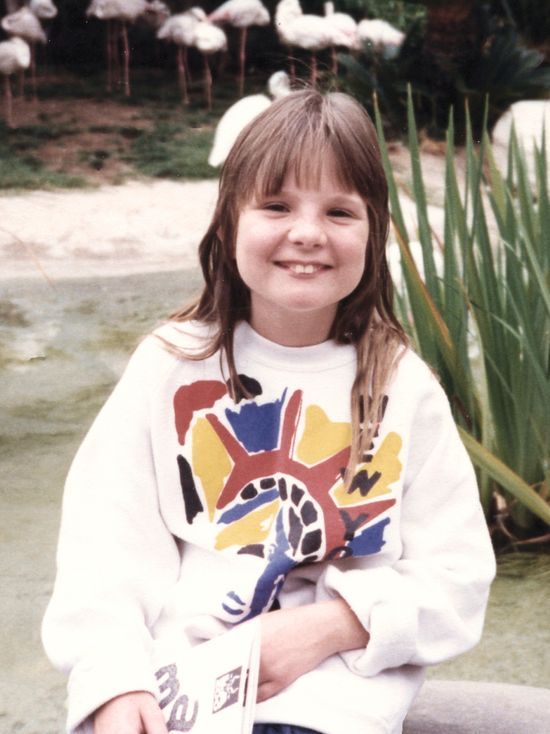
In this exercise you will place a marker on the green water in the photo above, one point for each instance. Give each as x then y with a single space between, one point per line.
61 350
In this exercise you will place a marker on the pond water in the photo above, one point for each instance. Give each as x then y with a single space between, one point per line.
62 347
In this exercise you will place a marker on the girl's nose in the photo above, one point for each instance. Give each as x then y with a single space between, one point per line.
307 231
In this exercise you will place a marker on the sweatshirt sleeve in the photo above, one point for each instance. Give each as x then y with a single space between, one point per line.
430 605
116 558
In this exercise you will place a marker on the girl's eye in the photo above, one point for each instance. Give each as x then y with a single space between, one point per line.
339 213
275 206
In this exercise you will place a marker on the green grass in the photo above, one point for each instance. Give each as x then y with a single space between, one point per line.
158 137
21 170
173 150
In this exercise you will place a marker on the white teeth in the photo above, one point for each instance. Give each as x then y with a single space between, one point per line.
296 268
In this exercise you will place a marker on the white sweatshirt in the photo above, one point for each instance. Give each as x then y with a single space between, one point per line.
185 512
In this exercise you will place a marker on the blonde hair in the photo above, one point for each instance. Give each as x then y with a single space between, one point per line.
295 135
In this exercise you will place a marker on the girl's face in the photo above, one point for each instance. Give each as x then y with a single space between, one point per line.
300 252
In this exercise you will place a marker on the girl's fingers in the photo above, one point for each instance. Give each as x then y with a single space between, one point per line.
152 718
131 713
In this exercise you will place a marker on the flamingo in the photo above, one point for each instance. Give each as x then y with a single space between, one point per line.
43 9
15 55
24 24
156 13
180 30
241 14
310 32
123 12
236 117
382 36
285 12
344 32
209 39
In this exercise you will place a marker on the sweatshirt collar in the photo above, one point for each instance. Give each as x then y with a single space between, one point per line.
251 347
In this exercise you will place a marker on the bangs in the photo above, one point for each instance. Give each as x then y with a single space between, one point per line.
304 160
301 141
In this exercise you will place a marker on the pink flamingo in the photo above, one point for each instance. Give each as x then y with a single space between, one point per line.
180 30
344 32
382 36
24 24
310 32
241 14
118 13
15 55
209 39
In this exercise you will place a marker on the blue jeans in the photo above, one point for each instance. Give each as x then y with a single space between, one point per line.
281 729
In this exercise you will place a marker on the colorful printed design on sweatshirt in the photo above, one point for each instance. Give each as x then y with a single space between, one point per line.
271 483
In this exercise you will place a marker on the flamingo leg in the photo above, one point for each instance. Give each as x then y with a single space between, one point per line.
8 98
313 78
291 65
334 58
242 59
186 65
207 83
21 91
109 54
115 52
182 81
33 72
126 57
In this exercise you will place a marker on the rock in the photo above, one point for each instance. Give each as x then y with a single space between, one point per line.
530 117
473 707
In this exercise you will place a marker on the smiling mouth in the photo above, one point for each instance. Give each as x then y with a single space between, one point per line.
303 268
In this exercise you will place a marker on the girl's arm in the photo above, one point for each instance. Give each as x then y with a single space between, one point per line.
297 640
117 560
430 604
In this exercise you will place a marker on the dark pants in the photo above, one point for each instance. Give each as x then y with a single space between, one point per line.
281 729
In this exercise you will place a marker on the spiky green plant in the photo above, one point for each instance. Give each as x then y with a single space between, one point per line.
494 294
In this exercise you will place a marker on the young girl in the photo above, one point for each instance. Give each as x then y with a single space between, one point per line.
276 449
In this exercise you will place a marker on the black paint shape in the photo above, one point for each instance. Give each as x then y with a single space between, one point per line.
252 387
296 494
249 492
308 512
295 530
254 549
267 483
311 542
191 499
363 482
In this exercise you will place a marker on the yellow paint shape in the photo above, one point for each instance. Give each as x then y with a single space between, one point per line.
321 437
386 462
252 528
211 463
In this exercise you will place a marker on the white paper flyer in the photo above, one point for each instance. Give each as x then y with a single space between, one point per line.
210 688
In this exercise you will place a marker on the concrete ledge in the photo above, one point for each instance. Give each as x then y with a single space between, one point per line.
472 707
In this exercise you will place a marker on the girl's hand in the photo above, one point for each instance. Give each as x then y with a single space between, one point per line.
131 713
297 640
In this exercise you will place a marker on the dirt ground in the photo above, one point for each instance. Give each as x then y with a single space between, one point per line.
85 132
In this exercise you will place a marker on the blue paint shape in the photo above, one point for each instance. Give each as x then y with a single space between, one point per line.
235 597
239 511
370 540
233 612
257 426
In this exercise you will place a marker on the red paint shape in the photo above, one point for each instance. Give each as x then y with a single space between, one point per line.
191 398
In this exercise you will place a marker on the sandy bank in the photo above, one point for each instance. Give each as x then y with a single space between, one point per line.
113 230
